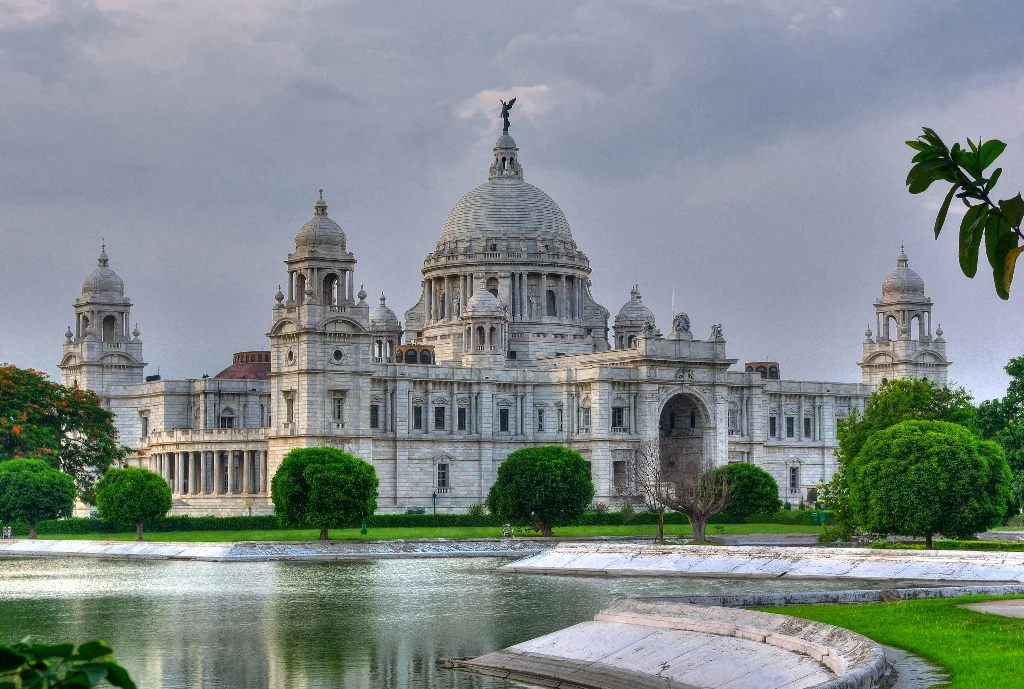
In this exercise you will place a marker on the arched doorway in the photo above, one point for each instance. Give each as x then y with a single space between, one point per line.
686 436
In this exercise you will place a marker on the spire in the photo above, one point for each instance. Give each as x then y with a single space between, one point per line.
103 261
320 207
901 260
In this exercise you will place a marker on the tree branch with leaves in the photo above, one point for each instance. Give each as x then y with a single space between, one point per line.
995 222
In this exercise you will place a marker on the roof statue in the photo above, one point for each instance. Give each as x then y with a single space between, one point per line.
505 108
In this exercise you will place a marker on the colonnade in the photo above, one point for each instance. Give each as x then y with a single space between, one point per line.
213 472
339 289
444 297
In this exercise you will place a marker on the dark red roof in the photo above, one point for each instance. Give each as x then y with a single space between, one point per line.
247 366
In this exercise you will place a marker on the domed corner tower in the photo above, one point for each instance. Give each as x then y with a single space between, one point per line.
320 339
101 351
512 240
904 346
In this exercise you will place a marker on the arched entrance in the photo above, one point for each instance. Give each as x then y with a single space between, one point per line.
686 436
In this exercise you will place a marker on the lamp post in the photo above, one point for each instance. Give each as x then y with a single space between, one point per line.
435 501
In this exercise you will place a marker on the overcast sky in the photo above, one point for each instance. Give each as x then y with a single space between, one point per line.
747 153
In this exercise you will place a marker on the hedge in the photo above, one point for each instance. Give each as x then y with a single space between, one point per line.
1006 546
86 525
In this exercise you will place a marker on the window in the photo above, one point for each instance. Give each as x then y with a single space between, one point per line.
790 426
560 417
585 423
442 478
462 418
503 420
439 414
619 479
227 419
807 427
145 425
551 301
794 479
417 418
338 409
375 416
289 410
263 415
733 420
772 430
618 417
812 495
540 420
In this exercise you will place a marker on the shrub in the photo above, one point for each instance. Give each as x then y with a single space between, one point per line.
477 509
543 487
754 490
323 487
131 495
627 513
31 490
47 666
599 508
919 478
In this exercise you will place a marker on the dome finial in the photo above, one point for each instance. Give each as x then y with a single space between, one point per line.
901 260
320 207
103 261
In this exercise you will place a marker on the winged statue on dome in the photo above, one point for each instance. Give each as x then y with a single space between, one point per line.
505 108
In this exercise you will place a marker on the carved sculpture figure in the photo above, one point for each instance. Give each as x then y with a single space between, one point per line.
681 323
456 304
505 107
716 332
531 298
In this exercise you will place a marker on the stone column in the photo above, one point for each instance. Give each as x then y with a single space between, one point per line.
448 310
232 471
562 299
264 463
351 285
543 295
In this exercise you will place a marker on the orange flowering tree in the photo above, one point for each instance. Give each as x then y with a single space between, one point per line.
68 428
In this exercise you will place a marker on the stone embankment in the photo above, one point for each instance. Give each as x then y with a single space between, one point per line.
911 566
250 551
641 644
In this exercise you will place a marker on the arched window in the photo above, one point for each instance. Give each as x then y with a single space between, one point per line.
749 369
494 247
109 323
492 283
622 342
481 336
915 327
885 381
410 356
892 328
227 418
331 290
550 303
300 287
425 357
379 349
631 342
763 371
504 165
390 349
773 373
493 337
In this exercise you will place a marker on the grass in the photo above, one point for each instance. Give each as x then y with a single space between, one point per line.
978 650
1005 546
635 530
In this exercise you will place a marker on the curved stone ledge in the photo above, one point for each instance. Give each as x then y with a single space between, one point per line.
642 643
591 559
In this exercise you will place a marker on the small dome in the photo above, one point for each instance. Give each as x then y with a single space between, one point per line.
902 280
483 304
383 318
634 312
320 231
505 141
103 280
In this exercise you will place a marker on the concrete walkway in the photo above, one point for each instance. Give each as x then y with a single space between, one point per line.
636 644
250 551
1006 608
955 566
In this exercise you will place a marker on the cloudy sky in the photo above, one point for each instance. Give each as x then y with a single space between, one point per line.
748 154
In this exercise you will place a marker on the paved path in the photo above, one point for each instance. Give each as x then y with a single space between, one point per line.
1006 608
954 566
250 551
636 644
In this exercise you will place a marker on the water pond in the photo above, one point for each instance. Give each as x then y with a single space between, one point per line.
362 624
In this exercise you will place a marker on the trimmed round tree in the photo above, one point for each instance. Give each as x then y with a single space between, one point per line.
31 490
920 478
323 487
753 490
131 495
542 487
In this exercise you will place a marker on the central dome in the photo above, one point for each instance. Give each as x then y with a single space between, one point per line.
505 205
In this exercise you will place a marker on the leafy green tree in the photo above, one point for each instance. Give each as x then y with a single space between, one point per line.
542 487
131 495
754 490
998 223
920 478
48 666
31 490
66 427
1002 420
323 487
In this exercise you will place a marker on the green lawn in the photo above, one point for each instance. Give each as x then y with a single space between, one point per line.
977 650
431 532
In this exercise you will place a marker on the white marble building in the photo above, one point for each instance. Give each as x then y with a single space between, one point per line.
506 348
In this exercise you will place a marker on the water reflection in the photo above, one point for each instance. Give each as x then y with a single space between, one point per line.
375 624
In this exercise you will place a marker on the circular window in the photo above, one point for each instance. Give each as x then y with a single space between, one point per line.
291 356
337 355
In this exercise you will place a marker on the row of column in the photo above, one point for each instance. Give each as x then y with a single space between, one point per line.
298 281
444 297
213 472
884 320
817 430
